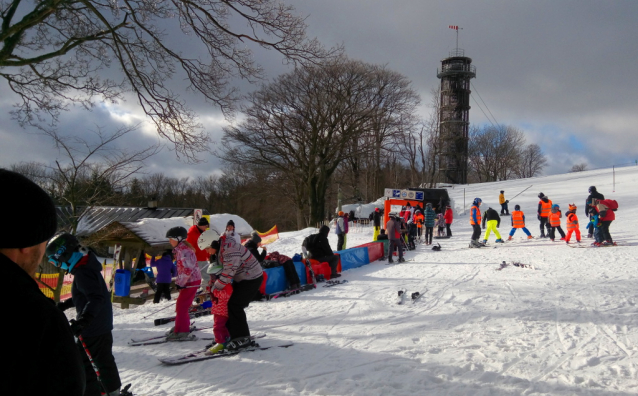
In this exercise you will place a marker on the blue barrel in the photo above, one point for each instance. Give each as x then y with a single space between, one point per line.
122 282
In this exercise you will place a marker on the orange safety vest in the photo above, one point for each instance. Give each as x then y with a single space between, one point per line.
517 219
418 219
572 221
554 219
546 208
478 215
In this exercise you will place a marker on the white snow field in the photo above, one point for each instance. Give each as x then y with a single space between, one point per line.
567 327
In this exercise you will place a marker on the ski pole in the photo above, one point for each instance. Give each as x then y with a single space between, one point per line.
153 313
521 192
95 368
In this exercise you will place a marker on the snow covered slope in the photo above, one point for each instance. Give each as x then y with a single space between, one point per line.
567 327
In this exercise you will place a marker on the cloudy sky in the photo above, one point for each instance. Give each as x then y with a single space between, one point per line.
565 72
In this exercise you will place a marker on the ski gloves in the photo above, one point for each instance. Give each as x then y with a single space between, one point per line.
79 324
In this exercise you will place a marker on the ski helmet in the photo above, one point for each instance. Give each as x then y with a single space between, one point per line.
214 269
517 207
177 233
477 201
206 238
64 251
592 189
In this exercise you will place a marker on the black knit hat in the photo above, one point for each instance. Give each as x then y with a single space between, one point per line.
215 245
20 197
255 237
230 222
203 222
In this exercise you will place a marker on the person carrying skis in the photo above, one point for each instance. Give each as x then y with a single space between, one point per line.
518 221
572 223
94 320
166 270
493 221
430 218
244 271
449 218
475 222
40 353
202 258
501 199
187 281
554 221
544 209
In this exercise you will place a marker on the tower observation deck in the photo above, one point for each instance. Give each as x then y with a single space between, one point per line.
454 119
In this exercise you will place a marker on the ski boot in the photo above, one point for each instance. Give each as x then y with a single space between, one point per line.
401 260
185 336
509 238
530 237
499 240
240 343
215 349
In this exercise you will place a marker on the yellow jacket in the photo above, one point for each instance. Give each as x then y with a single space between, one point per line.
501 199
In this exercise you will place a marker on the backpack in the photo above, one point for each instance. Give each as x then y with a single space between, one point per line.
612 204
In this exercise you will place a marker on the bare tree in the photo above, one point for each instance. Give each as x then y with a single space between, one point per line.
494 152
93 169
57 52
531 162
304 125
579 167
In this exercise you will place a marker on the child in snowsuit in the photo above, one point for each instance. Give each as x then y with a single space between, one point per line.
219 309
518 221
440 223
554 222
572 223
493 221
475 222
594 219
544 209
166 270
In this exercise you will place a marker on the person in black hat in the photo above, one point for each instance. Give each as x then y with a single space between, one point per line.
42 327
231 233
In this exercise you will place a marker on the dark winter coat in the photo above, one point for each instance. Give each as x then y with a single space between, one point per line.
590 198
376 219
430 217
252 248
166 270
41 352
491 214
318 245
91 297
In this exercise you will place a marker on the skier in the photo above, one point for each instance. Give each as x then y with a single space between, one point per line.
376 221
430 218
440 224
572 223
449 218
593 194
94 320
39 350
504 209
393 227
243 269
518 221
493 221
606 208
187 281
475 222
554 221
544 209
340 230
166 270
202 258
317 247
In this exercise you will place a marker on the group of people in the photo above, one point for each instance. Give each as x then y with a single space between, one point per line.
599 211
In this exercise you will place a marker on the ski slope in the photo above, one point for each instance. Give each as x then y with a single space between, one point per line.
567 327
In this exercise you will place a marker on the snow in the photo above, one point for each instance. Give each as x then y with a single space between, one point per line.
569 326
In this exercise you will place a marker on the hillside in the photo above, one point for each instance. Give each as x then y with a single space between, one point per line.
569 326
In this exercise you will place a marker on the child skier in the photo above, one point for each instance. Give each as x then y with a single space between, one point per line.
475 222
440 223
518 221
493 222
572 223
166 270
188 280
554 222
219 309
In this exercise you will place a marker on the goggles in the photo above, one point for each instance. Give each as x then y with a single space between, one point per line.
67 265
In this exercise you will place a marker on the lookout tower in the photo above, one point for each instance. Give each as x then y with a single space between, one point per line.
454 118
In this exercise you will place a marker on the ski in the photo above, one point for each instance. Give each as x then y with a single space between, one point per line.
252 337
201 355
193 314
417 295
515 264
401 296
583 245
141 340
288 293
332 283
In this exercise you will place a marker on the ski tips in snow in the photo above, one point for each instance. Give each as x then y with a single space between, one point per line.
505 264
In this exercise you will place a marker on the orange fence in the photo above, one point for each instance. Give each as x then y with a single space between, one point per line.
52 281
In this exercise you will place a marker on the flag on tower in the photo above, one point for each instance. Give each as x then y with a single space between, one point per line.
454 27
